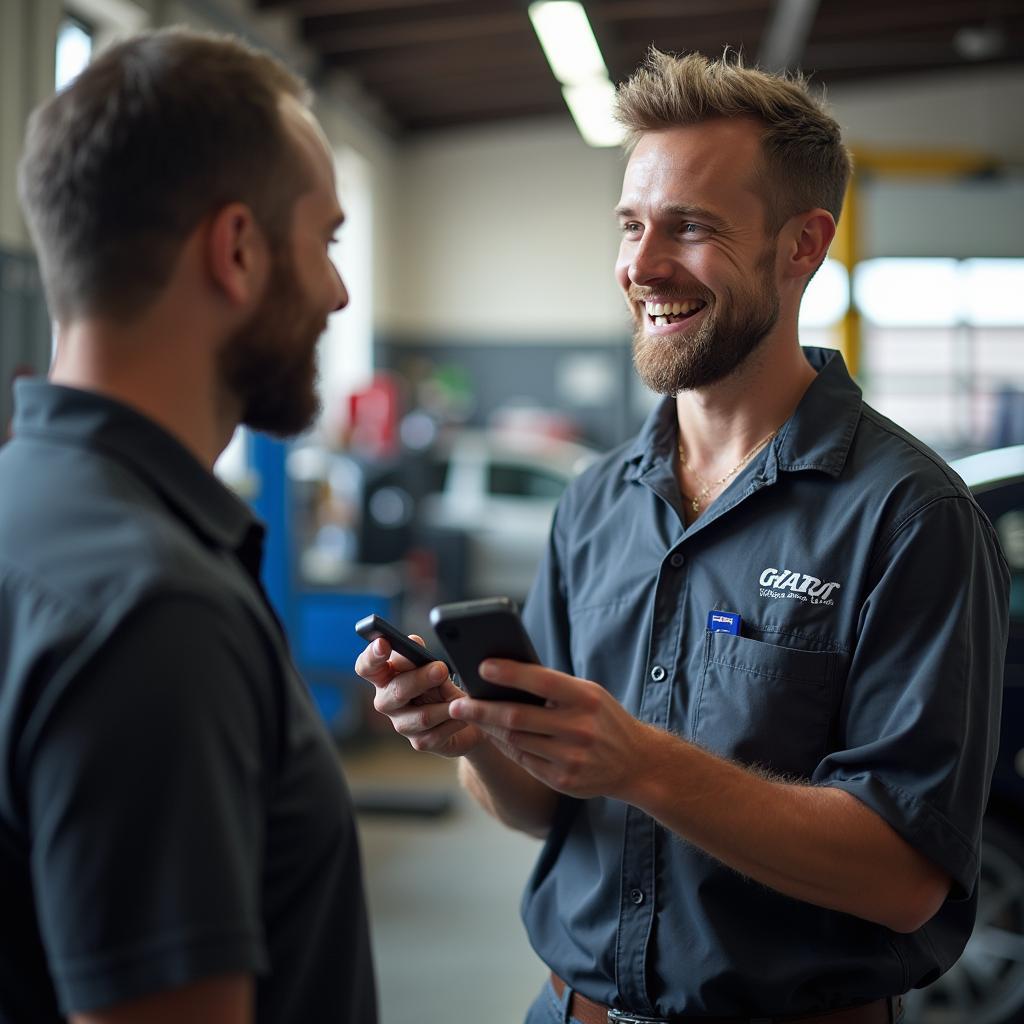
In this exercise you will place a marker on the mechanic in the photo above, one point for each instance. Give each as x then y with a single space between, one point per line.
773 624
176 840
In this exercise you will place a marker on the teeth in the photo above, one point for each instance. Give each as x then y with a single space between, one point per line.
661 321
655 309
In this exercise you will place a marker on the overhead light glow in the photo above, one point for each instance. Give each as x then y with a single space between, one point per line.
567 40
591 107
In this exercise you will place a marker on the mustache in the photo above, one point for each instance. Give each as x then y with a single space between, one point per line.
635 294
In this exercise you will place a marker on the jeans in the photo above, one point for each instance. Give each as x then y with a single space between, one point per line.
548 1008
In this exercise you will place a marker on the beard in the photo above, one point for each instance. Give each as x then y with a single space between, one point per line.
269 364
723 341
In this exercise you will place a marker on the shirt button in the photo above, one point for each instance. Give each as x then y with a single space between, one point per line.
677 560
637 896
658 673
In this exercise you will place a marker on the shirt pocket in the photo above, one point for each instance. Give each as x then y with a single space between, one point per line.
762 704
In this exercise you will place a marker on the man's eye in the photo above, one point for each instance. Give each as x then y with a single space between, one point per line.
631 227
691 229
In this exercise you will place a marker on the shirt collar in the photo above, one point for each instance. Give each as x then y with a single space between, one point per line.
817 436
94 421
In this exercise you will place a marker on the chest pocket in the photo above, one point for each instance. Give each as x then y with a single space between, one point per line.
763 704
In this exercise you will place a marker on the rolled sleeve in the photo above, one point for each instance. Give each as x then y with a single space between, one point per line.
919 721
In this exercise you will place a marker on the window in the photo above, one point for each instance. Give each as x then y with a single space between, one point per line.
508 480
943 348
74 49
827 297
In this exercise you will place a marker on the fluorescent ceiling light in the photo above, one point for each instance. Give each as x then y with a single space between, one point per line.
591 107
567 40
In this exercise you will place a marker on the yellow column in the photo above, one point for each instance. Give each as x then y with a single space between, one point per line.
846 250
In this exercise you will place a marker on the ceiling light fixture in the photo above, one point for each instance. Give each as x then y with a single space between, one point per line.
590 104
568 43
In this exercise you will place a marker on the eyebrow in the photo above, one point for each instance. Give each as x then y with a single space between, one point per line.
682 210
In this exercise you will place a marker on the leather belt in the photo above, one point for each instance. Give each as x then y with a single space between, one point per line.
586 1011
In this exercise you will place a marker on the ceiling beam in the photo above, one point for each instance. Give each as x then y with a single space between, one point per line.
783 42
672 10
884 18
419 33
447 61
314 8
910 50
422 125
420 105
511 84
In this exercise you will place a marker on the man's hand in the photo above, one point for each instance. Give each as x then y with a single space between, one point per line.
582 742
417 700
790 836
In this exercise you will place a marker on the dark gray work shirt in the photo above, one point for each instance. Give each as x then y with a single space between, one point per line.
873 598
171 806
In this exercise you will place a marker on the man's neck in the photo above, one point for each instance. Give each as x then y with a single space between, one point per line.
162 378
719 424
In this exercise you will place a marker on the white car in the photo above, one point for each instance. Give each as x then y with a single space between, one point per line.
499 490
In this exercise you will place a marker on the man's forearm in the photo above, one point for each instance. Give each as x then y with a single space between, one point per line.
508 792
816 844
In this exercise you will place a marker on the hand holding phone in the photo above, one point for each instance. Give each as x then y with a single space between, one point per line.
472 631
372 627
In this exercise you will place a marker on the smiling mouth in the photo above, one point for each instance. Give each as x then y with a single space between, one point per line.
661 314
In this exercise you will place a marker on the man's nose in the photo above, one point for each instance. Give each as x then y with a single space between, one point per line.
341 293
650 262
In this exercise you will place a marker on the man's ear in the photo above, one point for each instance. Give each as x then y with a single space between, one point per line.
237 255
809 235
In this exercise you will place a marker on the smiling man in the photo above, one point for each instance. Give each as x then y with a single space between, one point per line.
772 625
176 841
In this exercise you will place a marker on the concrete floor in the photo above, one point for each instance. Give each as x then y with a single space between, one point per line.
444 896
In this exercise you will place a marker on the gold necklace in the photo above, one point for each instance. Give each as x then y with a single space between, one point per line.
706 486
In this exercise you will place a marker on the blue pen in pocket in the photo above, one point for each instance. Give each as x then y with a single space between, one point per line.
723 622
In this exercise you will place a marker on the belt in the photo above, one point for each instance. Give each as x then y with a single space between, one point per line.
586 1011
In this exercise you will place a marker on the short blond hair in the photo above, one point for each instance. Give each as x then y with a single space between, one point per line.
805 164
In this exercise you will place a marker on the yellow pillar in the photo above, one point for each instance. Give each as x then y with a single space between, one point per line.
846 250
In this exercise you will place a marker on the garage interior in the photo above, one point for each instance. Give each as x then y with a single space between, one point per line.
478 252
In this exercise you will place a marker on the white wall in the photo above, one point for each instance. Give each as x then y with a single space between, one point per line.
978 110
508 233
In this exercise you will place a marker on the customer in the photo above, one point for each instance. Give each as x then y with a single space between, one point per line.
773 624
176 841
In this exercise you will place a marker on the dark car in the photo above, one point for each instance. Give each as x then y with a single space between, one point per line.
986 986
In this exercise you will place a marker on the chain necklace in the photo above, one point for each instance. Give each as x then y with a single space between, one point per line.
707 487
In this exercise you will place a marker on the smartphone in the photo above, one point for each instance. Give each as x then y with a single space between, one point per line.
374 626
471 631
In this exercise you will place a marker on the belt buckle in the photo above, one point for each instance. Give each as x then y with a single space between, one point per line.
624 1017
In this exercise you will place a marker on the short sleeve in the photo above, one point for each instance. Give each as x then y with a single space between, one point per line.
919 723
145 793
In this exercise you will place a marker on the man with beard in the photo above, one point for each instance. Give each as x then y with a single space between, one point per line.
772 626
176 840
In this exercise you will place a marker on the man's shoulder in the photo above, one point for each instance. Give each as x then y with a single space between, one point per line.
885 456
93 537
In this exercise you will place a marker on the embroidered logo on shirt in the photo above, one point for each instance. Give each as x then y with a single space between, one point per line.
787 583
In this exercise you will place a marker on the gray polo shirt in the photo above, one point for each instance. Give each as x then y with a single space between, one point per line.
171 806
873 599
